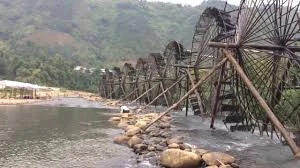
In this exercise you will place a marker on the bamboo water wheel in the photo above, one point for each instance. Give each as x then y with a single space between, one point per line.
244 67
143 78
128 79
265 43
268 36
175 56
156 65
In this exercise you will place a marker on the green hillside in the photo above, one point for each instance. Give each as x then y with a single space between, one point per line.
42 40
95 31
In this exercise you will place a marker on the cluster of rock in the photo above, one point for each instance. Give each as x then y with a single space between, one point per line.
95 98
158 146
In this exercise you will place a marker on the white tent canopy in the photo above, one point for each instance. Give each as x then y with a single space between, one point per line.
19 85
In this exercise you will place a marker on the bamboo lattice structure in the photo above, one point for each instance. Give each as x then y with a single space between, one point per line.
244 66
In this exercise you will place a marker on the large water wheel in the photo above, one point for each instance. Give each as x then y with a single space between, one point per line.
174 56
128 79
156 66
268 37
116 83
213 25
106 85
265 42
142 79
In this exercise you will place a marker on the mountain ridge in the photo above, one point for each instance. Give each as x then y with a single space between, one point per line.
41 41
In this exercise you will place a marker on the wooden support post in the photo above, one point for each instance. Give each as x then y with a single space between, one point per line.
145 93
174 84
199 83
263 104
187 99
136 92
216 100
196 92
163 90
149 85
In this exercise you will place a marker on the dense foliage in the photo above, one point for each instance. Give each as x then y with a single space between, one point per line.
96 31
41 66
43 40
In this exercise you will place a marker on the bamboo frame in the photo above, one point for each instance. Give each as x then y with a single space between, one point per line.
263 104
199 83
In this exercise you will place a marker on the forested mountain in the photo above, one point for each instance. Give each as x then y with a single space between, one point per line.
42 40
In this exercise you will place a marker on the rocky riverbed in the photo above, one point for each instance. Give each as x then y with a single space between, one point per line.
158 146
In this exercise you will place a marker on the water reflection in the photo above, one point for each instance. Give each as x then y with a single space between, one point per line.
49 136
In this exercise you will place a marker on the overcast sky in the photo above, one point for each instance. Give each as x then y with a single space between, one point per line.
194 2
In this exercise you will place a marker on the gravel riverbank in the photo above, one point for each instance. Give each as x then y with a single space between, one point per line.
158 146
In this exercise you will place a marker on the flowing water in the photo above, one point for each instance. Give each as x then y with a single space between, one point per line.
60 134
72 132
251 150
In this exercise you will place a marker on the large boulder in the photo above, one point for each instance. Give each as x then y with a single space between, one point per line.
151 115
127 116
115 119
122 125
297 156
214 166
176 158
129 127
225 166
200 152
134 141
121 139
214 158
141 124
133 131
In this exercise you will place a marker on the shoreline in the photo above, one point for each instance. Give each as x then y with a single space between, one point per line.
10 102
159 146
191 133
48 96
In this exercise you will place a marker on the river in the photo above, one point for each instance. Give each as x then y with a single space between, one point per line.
72 132
60 134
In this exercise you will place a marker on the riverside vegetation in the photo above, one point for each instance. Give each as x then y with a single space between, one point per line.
41 41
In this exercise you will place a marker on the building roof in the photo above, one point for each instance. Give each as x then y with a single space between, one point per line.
15 84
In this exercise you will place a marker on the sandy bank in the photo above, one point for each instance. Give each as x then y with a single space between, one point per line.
50 95
18 101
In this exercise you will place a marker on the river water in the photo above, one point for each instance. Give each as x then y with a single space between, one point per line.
72 132
60 134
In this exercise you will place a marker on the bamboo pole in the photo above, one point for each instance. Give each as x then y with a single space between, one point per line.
263 104
130 94
145 93
216 100
199 83
196 93
255 46
164 92
187 99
